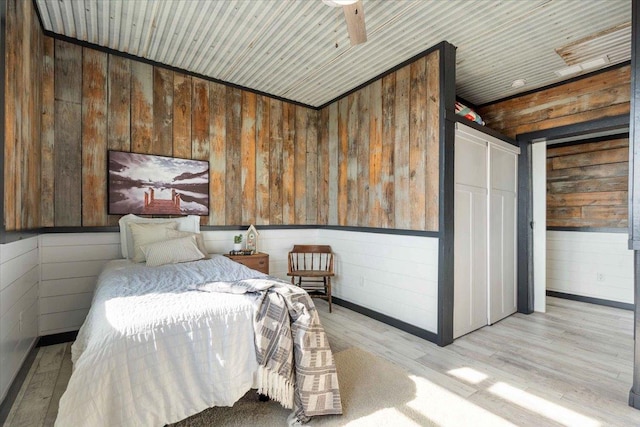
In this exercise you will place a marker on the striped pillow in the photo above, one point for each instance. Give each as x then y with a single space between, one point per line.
144 234
174 234
172 251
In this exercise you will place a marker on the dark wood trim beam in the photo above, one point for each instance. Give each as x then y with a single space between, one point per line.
634 193
604 124
403 326
3 66
447 193
591 300
634 134
525 230
112 229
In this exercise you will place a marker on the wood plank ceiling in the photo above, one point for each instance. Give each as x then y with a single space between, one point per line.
288 48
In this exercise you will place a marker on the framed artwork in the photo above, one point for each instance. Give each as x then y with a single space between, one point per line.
156 185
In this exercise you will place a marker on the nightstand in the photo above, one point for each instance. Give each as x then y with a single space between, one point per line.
259 261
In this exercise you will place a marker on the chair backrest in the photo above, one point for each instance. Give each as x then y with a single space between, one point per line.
311 257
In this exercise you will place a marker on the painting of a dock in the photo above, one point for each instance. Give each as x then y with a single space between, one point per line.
157 185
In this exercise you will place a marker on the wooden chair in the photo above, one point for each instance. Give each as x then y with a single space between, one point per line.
311 268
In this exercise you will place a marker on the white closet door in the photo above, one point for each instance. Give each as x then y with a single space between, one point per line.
470 244
502 233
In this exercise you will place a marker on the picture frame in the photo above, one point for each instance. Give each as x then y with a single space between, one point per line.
146 184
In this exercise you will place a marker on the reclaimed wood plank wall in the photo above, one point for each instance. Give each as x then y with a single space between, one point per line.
24 111
368 160
591 194
596 96
379 152
263 152
587 184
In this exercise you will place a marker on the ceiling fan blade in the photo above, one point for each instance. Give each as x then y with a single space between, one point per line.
354 15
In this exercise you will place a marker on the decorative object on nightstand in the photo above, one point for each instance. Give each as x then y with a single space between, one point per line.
252 239
237 242
258 261
311 268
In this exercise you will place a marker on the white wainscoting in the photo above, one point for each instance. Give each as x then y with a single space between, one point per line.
394 275
19 277
590 264
277 243
70 264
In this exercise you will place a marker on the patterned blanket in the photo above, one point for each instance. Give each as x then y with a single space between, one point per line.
296 366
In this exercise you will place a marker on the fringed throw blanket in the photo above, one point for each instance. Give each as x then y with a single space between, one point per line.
296 366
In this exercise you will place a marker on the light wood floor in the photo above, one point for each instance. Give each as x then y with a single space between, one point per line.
570 366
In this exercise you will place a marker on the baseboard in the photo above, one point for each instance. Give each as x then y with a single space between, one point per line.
403 326
634 399
591 300
57 338
16 384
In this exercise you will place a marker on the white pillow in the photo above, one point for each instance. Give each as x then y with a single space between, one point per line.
174 234
185 223
143 234
172 251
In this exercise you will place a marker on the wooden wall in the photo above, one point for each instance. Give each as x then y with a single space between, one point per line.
379 152
596 96
262 151
23 96
587 184
370 159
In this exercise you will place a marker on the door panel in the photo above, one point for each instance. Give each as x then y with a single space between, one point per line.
470 241
470 261
502 256
502 234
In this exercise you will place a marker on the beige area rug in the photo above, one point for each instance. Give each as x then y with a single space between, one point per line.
374 393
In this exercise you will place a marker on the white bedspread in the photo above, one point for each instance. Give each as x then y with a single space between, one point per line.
152 351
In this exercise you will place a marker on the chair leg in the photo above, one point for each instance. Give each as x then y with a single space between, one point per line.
328 291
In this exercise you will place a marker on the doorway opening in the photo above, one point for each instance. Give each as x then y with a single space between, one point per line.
573 211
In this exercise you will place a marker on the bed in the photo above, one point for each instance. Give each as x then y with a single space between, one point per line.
164 342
